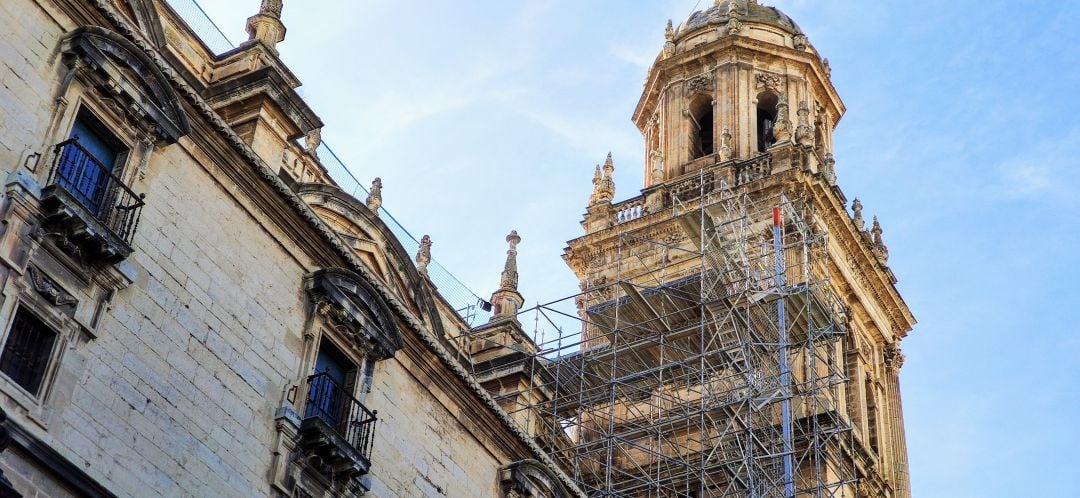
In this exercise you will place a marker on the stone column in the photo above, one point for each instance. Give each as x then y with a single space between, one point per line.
901 479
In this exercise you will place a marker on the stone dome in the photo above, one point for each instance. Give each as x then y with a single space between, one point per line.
748 11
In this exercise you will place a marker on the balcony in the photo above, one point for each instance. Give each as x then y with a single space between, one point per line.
95 212
337 429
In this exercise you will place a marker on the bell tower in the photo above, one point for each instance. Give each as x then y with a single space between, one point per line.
739 330
732 82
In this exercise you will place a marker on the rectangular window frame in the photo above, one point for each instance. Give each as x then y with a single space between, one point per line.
34 404
40 371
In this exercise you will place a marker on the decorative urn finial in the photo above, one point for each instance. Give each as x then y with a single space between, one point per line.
374 198
856 209
656 173
726 152
803 134
828 168
669 40
312 141
423 255
880 250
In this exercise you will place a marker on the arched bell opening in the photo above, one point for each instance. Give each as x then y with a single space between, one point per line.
766 118
701 124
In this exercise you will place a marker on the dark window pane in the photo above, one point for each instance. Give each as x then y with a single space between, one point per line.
84 170
27 350
95 142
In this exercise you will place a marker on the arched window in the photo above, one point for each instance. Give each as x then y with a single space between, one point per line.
701 124
766 118
352 328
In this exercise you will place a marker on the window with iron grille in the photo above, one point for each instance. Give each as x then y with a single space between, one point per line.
27 350
86 170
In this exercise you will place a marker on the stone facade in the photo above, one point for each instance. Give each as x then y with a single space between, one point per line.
737 114
190 305
175 266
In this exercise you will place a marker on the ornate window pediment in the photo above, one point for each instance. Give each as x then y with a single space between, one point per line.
128 81
531 479
353 305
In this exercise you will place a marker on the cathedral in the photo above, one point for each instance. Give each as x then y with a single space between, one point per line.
194 302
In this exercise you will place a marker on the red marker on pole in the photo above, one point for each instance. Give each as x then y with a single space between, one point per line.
776 217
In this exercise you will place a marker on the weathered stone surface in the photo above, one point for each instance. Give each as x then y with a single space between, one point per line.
167 380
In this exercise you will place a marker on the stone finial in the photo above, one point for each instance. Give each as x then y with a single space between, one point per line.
669 40
726 152
828 169
312 141
597 179
656 173
509 279
782 128
880 250
266 26
734 25
803 134
271 8
604 185
423 255
856 209
374 198
506 300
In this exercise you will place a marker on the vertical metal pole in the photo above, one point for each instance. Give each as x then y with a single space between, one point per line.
785 372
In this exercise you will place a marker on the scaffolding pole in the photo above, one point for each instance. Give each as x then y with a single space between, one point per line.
687 367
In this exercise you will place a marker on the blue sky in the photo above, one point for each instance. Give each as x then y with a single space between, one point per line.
961 135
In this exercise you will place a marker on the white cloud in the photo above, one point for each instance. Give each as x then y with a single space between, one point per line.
1045 171
640 55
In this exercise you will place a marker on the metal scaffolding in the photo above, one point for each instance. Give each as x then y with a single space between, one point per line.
705 364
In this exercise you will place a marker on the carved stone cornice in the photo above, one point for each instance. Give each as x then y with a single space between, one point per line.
875 280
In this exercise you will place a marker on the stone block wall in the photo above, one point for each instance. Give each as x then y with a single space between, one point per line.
173 392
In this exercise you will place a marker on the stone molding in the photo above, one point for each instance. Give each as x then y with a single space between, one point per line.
122 69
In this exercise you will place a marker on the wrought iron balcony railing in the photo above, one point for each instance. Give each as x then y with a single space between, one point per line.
332 405
96 189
